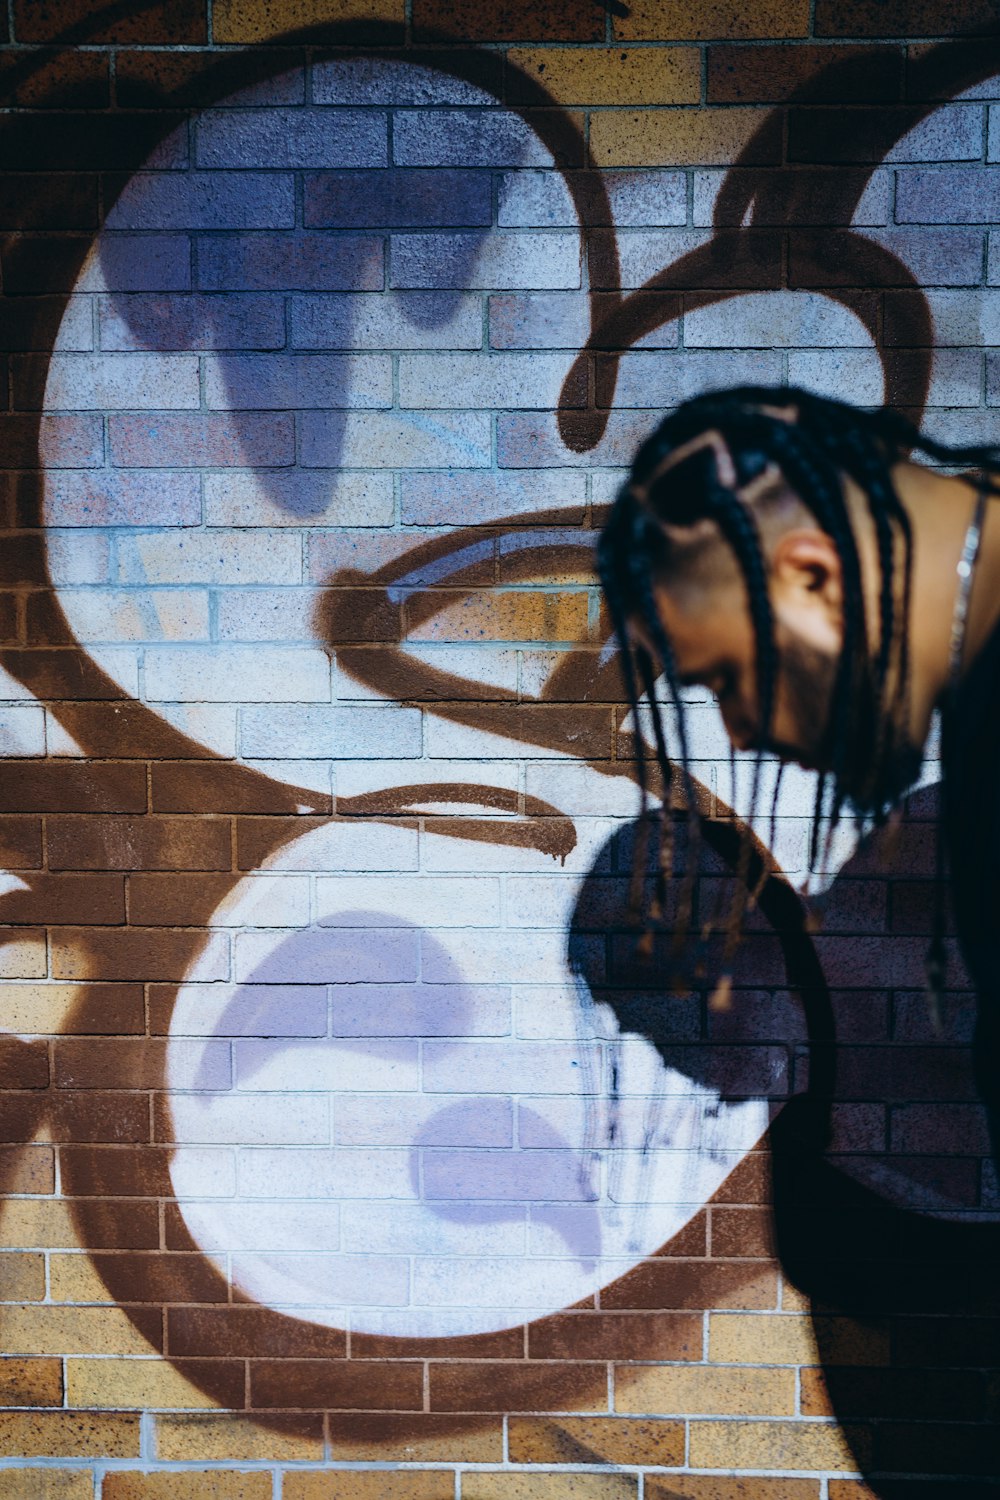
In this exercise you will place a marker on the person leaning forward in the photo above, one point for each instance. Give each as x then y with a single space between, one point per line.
787 552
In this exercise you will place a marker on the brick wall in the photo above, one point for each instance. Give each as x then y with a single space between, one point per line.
349 1148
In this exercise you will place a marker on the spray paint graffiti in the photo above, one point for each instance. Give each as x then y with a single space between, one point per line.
340 876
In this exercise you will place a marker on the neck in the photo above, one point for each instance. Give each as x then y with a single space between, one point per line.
940 508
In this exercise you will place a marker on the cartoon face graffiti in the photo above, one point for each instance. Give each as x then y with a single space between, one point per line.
383 1101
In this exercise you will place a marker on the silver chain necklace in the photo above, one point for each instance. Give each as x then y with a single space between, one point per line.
965 570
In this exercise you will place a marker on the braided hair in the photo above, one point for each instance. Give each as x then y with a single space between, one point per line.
691 470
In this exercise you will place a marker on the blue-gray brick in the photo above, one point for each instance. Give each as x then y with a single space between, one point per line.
948 195
139 263
465 138
404 320
306 137
434 381
408 197
328 733
405 440
206 200
298 381
376 80
545 260
661 380
186 320
529 440
474 499
937 257
291 262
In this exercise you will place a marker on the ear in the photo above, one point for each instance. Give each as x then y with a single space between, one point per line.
807 587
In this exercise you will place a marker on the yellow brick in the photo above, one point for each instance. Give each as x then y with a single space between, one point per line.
37 1009
352 1485
603 75
434 1437
548 1486
206 1484
30 1382
75 1434
69 1330
523 615
708 1390
23 958
130 1384
706 20
223 1436
42 1223
28 1169
671 137
45 1484
776 1446
594 1440
848 1341
792 1300
72 1278
258 21
767 1339
22 1277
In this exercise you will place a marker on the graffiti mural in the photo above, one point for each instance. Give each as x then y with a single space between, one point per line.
362 1099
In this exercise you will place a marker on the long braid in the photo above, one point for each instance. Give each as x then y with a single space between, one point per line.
814 442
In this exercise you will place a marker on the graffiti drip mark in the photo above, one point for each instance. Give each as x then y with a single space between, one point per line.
614 8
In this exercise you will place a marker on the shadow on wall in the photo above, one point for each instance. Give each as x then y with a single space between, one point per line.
914 1291
885 1201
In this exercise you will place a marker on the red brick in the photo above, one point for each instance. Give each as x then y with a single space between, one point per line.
52 672
67 898
175 900
743 1232
904 18
221 788
126 731
8 617
620 1336
146 843
161 1277
148 80
506 1343
56 80
69 786
168 21
49 200
534 1385
75 1116
242 1332
508 21
345 1384
140 953
694 1284
110 1062
23 1065
772 74
20 843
